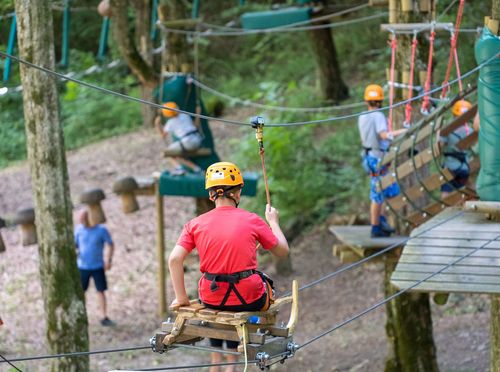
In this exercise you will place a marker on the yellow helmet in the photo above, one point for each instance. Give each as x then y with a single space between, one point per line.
461 107
223 174
374 92
170 113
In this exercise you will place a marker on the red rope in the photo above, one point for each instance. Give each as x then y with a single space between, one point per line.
410 83
428 78
453 46
394 44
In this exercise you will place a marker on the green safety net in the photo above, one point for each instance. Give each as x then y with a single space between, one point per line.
275 18
193 184
488 182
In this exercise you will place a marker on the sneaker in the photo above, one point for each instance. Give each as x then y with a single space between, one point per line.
384 225
179 171
378 232
106 322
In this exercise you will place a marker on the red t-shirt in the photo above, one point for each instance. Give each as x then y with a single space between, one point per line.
226 241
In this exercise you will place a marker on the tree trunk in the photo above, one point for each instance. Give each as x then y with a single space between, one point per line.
495 333
175 56
143 40
495 9
409 329
333 87
61 288
138 58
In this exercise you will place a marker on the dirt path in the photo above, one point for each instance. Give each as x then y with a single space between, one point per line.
461 327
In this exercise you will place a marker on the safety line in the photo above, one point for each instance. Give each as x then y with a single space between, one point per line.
246 102
318 121
273 30
309 21
400 292
375 255
9 361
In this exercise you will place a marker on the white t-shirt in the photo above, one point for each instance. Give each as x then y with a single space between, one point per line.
370 126
179 125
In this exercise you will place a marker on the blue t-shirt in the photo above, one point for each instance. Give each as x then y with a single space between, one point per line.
90 243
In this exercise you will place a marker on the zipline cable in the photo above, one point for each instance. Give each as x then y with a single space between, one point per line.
375 255
400 292
273 30
234 122
10 363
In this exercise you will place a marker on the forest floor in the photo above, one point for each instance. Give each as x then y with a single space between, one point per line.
461 327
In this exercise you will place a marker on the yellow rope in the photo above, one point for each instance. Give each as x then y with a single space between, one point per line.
245 346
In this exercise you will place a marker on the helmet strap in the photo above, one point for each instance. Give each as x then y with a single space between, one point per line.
228 193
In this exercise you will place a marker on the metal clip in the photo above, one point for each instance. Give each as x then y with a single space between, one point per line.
262 359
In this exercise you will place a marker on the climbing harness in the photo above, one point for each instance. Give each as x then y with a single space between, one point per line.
393 44
414 43
258 125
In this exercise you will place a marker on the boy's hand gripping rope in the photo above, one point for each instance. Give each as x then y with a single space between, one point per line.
258 124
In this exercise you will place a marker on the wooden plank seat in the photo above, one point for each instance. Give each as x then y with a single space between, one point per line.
357 239
449 240
195 322
202 151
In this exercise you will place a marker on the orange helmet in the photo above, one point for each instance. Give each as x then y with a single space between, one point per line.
374 92
223 174
170 113
461 107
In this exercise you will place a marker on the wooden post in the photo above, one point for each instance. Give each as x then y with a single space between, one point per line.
495 333
160 248
393 14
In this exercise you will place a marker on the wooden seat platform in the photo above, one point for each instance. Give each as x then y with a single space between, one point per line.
356 242
441 245
203 151
194 322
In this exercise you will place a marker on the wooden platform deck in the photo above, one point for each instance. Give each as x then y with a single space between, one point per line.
356 242
444 244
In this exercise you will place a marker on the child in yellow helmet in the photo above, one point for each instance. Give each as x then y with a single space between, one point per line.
226 239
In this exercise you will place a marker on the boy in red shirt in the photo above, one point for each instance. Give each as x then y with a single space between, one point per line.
226 239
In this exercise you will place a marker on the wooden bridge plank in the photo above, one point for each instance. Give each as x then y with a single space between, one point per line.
449 287
356 236
424 242
457 269
446 277
460 234
458 122
468 141
468 261
451 252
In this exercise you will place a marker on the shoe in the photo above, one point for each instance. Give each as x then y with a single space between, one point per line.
106 322
378 232
384 225
179 171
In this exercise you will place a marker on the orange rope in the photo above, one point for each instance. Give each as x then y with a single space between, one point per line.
394 44
410 83
428 78
453 46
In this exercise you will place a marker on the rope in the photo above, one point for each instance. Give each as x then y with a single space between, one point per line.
428 78
453 45
233 122
400 292
78 353
11 364
393 44
209 33
245 102
410 85
258 124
